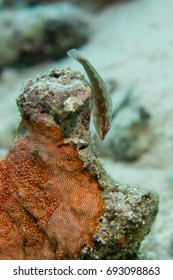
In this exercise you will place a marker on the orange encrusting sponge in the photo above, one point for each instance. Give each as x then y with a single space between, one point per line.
49 205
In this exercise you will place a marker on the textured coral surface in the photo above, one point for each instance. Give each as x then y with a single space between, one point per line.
49 205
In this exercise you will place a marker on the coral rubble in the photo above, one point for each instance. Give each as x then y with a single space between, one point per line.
56 199
131 134
90 3
31 35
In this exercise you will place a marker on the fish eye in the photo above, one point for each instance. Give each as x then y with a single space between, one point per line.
104 131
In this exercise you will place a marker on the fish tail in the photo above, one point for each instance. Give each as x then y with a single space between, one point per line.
75 54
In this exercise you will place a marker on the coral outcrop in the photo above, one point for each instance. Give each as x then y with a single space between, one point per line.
56 199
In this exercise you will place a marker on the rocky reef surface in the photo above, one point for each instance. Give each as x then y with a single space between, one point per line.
56 199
